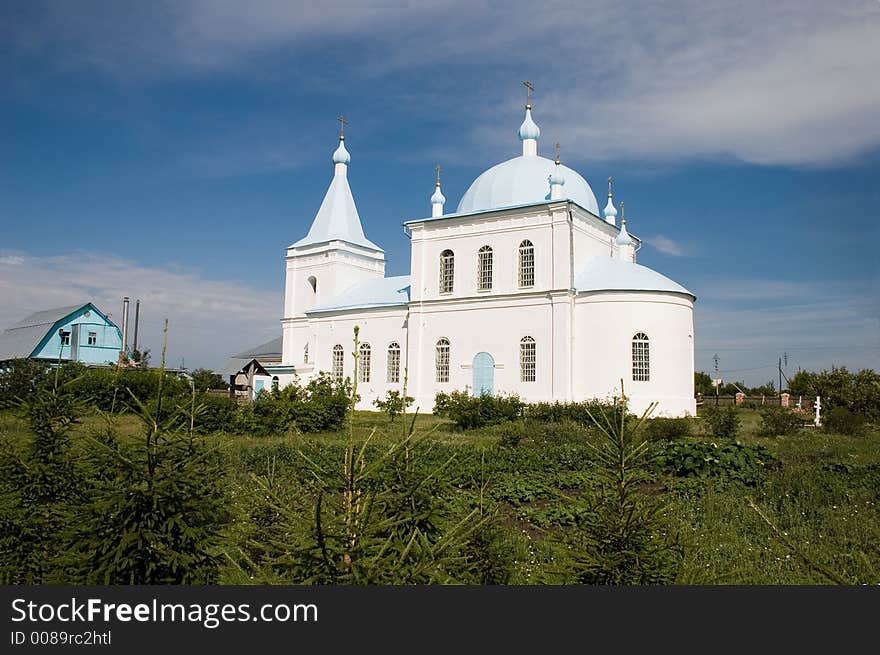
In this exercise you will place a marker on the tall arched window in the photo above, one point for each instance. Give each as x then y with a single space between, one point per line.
441 361
306 354
313 282
528 360
526 264
484 268
365 353
447 271
392 374
641 358
337 371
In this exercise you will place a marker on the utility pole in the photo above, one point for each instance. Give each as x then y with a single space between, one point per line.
716 379
780 377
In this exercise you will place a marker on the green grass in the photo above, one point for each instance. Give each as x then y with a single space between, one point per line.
823 496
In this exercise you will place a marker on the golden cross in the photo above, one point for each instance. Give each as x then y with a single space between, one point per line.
609 186
529 89
438 174
342 123
557 152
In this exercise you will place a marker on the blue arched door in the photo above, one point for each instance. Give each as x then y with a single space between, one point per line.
484 374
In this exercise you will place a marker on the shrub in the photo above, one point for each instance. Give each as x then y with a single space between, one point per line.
734 461
779 421
470 412
843 421
723 423
22 380
657 429
394 403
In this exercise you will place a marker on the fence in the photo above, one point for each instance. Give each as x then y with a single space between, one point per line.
752 401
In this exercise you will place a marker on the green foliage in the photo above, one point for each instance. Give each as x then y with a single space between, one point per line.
625 539
39 489
731 461
394 404
842 420
858 392
661 428
158 508
22 380
703 384
723 423
470 412
204 379
779 421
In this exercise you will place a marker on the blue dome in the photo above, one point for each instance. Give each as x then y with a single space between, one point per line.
524 180
529 129
341 156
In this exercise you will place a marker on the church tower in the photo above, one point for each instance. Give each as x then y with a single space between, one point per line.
335 254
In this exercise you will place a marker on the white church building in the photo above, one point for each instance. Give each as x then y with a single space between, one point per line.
524 289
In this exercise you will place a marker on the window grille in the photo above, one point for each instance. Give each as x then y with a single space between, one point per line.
527 360
442 361
393 373
338 362
641 358
365 352
447 271
526 264
484 268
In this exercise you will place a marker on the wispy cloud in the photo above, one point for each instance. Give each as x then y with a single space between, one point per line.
208 319
666 245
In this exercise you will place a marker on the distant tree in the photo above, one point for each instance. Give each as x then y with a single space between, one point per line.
703 384
857 392
140 358
766 389
205 379
393 404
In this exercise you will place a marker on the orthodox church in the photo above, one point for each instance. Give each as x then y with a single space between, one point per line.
524 289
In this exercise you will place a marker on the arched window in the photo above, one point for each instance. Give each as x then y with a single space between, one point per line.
441 361
447 271
274 383
528 360
392 375
484 268
306 354
641 358
526 264
338 362
364 352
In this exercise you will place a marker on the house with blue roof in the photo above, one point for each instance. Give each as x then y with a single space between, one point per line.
76 333
526 288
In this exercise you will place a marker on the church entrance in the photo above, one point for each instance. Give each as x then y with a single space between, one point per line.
484 374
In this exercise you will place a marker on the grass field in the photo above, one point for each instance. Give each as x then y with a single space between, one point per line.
811 516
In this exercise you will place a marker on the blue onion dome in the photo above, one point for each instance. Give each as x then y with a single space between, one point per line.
610 210
341 156
528 129
556 177
438 198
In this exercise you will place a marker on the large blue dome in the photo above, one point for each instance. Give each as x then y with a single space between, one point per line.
524 180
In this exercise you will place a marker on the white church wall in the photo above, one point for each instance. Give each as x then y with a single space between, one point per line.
605 326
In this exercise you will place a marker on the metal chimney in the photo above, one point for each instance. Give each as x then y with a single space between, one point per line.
137 314
125 324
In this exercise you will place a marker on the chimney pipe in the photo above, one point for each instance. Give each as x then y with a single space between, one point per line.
137 314
125 324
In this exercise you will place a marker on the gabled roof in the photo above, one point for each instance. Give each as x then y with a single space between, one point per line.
610 274
23 338
378 292
269 350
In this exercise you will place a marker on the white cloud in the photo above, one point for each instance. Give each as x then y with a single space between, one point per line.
208 319
666 245
790 82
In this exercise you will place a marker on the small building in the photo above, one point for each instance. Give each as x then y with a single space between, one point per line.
251 371
78 333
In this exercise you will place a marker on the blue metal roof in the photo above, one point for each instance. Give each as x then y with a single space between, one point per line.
378 292
610 274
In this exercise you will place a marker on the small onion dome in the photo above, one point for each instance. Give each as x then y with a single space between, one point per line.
624 239
556 177
528 129
341 156
610 210
438 198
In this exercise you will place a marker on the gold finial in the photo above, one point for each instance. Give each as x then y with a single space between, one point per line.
342 123
609 187
529 89
437 168
622 217
557 153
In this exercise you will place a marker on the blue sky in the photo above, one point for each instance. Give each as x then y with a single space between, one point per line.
170 152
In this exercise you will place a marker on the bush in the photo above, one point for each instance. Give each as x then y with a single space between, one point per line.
779 421
733 461
658 429
843 421
723 423
858 392
394 404
471 412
